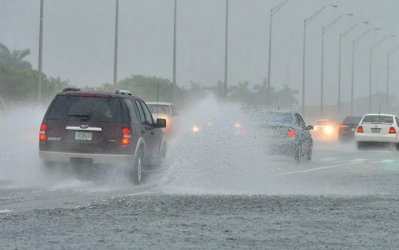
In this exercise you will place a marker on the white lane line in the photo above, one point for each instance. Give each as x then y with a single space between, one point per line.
321 168
356 160
5 211
387 161
328 159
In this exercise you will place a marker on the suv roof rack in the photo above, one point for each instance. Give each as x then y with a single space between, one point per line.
70 89
122 92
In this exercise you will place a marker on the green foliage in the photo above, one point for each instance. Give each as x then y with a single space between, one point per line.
19 83
14 59
147 88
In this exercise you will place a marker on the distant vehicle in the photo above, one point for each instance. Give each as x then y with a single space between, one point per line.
116 128
325 129
164 110
348 127
377 128
235 128
3 114
286 133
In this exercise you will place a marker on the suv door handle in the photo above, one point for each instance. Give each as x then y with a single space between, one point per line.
143 131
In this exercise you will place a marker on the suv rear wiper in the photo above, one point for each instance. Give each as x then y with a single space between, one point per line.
85 117
77 115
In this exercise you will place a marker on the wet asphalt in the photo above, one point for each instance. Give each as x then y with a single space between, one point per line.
342 199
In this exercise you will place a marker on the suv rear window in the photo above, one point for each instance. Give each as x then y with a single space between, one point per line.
378 119
77 108
352 120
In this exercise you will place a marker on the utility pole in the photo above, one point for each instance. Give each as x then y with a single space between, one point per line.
305 24
353 62
342 36
39 89
272 12
226 49
174 53
324 30
372 48
116 43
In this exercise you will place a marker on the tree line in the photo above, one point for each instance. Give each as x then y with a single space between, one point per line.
19 83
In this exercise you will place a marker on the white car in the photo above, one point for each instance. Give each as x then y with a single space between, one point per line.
164 110
377 128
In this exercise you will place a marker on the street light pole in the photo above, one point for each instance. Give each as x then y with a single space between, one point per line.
342 36
388 71
305 24
174 52
353 62
372 48
116 42
272 12
324 30
226 49
39 89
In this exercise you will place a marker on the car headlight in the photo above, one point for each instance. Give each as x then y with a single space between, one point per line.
328 130
195 128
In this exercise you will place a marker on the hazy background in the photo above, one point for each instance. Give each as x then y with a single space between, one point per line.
79 40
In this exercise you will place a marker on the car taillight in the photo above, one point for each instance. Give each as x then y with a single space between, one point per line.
342 127
126 136
392 130
291 133
42 133
360 129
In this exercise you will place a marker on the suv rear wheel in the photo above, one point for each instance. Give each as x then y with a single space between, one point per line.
137 171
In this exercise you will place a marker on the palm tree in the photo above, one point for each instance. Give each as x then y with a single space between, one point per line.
14 59
286 97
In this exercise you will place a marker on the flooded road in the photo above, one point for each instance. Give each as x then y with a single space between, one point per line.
212 197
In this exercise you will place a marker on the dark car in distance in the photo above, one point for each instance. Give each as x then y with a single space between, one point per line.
101 128
285 133
347 128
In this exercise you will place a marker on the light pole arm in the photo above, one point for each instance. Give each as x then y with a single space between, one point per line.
361 36
393 51
343 35
308 20
327 27
276 9
378 43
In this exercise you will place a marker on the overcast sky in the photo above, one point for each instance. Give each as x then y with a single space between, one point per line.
79 40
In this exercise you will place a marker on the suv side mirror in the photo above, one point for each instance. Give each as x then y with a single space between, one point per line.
309 127
161 123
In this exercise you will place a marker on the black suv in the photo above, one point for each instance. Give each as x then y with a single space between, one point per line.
81 127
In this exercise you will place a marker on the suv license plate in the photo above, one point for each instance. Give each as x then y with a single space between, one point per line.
375 130
83 136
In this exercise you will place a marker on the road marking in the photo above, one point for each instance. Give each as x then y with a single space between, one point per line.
5 211
357 160
328 159
387 161
322 168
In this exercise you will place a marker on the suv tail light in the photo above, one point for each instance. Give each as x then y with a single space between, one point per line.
392 130
42 133
291 133
126 136
360 129
342 127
